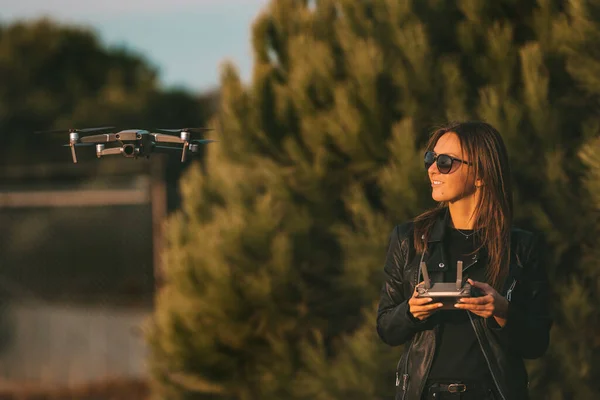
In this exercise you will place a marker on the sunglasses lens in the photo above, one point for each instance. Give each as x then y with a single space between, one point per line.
444 163
429 159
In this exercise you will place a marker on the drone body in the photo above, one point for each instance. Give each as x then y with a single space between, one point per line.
134 143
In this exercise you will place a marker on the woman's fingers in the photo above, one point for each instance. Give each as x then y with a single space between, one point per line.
487 299
419 301
432 306
474 307
421 308
423 311
485 303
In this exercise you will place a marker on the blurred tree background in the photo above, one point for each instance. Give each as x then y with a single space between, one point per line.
274 259
274 256
58 76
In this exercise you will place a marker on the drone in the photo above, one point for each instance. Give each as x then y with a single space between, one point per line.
134 143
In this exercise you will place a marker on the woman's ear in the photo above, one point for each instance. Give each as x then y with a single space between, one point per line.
478 183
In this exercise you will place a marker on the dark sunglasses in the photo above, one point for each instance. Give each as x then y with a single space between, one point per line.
444 162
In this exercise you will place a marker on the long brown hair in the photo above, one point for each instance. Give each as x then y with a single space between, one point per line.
481 144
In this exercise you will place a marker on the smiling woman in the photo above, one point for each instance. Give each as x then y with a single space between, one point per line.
453 181
477 348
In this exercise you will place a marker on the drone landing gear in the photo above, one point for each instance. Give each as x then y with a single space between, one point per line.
73 139
185 136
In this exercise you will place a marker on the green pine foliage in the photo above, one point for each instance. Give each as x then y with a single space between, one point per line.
273 264
575 353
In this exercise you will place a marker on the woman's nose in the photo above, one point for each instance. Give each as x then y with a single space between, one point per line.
433 169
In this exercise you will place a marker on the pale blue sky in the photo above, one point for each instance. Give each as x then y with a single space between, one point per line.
187 40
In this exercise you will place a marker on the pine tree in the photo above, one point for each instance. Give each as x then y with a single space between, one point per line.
274 261
574 357
586 319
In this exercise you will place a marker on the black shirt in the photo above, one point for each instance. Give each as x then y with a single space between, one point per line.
458 355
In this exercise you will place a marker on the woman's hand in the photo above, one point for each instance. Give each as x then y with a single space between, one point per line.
491 304
419 307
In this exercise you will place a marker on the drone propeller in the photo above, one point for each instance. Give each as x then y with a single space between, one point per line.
80 144
202 141
161 130
104 128
75 130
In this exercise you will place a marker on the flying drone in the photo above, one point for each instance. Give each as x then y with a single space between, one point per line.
134 143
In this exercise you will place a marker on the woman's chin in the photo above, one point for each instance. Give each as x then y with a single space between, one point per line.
438 197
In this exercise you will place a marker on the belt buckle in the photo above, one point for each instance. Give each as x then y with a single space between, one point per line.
457 388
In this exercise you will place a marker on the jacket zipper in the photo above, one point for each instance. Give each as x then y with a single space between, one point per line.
424 381
487 360
470 265
405 376
510 289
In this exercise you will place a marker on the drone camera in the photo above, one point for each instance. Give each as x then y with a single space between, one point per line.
128 150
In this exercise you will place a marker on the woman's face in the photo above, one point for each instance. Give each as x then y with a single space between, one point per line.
458 184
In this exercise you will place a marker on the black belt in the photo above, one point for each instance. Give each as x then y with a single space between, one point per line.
479 390
450 387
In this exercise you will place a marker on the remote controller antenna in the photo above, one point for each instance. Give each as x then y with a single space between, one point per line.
425 275
459 267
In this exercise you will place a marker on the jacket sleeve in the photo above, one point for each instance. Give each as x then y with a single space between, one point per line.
395 324
528 323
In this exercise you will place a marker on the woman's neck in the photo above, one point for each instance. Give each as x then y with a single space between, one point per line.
462 213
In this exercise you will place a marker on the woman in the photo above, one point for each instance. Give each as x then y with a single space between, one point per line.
475 350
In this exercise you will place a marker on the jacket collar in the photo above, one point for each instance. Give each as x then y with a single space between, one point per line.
439 227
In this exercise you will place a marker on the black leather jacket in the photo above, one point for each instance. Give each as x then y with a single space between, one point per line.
524 336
